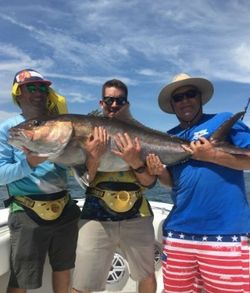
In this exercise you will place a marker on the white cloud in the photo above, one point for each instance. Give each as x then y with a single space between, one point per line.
146 42
241 56
148 72
190 37
80 98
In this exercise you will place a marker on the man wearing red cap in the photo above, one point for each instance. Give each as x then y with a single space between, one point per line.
43 218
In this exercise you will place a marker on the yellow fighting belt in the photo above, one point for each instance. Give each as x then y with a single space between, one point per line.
118 201
46 210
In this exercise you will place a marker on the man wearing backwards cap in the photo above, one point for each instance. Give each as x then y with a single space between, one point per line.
205 235
41 210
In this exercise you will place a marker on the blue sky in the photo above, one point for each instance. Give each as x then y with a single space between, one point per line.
79 44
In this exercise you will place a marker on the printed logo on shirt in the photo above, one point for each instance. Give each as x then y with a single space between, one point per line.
200 133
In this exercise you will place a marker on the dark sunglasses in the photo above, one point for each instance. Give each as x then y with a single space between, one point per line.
32 88
190 94
120 101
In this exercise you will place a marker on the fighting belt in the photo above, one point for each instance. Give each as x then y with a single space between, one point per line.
118 201
47 210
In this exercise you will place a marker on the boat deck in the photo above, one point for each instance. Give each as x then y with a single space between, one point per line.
119 279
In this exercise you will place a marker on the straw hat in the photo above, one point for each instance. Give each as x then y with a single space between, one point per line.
203 85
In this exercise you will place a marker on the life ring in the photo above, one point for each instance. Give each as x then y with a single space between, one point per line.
118 274
158 253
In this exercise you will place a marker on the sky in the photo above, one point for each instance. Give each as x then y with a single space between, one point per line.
79 44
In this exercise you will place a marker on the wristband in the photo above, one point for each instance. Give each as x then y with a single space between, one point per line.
140 169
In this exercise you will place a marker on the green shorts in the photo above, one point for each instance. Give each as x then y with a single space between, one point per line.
30 243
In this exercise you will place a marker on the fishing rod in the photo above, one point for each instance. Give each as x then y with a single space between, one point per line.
245 110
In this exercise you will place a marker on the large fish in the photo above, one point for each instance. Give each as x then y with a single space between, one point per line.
62 139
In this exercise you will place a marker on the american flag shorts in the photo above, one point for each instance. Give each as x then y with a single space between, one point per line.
212 263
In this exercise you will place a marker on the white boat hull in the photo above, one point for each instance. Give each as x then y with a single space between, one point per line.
119 279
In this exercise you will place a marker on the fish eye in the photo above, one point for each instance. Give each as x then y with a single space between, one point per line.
36 123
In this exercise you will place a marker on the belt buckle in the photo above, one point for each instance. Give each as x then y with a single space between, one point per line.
121 202
59 204
123 196
55 207
118 201
50 210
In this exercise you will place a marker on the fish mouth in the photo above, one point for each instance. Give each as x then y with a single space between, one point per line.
21 140
16 135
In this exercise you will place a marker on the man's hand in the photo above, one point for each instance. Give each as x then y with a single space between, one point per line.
97 143
154 164
204 150
129 150
155 167
95 146
201 150
32 159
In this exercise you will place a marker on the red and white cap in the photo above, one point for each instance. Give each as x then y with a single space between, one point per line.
29 76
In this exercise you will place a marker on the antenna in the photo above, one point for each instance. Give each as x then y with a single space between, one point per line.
245 110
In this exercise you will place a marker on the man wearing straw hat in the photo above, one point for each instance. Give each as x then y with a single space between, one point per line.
116 214
205 235
43 218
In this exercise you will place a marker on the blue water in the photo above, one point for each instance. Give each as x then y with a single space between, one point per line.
158 193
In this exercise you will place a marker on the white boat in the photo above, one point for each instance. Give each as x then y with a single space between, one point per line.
119 278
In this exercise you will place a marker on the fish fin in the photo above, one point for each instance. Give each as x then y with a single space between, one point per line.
228 148
124 115
221 133
130 120
95 112
80 173
218 139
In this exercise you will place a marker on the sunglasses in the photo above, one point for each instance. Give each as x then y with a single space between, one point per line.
120 101
190 94
32 88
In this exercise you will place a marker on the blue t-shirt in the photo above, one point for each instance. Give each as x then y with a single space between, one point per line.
208 198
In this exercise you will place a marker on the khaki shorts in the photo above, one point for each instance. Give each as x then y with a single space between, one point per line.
97 243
